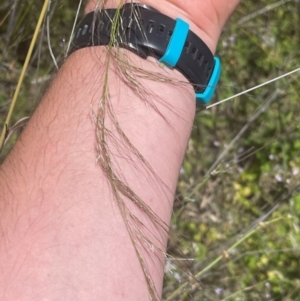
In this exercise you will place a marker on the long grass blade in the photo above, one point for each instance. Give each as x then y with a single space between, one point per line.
22 75
254 88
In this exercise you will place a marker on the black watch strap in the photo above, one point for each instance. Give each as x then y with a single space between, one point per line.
146 32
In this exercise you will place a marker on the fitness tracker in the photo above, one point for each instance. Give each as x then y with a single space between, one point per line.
147 32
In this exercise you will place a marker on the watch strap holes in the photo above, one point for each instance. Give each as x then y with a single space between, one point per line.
138 23
150 26
208 73
205 66
85 29
200 59
169 35
187 47
126 22
129 23
101 25
78 33
160 30
194 53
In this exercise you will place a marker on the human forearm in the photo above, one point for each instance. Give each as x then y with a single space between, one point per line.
62 205
66 197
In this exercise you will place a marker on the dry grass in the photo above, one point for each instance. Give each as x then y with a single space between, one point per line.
237 213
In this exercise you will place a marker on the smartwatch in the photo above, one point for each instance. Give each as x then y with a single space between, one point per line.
147 32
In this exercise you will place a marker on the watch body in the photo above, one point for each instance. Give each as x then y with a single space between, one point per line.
147 32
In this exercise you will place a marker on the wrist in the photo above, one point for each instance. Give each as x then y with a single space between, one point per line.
171 40
208 29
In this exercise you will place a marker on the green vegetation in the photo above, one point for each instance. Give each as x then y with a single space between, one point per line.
238 197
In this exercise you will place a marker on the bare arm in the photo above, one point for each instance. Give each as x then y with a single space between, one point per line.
63 236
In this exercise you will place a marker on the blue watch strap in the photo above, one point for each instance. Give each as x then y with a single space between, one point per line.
151 33
205 97
176 44
173 54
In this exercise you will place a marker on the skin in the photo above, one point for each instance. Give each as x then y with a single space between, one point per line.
62 234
